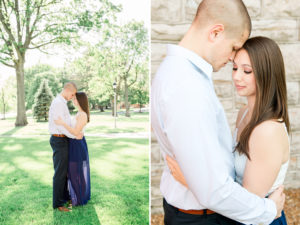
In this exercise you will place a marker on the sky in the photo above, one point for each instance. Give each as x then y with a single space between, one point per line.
132 9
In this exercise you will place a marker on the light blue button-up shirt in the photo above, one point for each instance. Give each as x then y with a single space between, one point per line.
190 125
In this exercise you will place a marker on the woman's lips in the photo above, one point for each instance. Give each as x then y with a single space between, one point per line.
239 87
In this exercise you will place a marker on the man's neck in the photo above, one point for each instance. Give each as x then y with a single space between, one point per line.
62 95
188 42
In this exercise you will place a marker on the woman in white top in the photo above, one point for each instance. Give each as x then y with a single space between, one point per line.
261 142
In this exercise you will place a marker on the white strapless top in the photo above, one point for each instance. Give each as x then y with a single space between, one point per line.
74 121
240 161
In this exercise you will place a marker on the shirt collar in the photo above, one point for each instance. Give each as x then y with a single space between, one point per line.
197 60
62 98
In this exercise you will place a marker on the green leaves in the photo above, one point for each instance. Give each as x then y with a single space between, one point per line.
42 102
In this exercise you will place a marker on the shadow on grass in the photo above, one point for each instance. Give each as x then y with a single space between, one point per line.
119 182
111 129
79 215
12 131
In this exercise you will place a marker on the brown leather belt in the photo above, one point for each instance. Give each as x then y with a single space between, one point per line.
198 212
58 135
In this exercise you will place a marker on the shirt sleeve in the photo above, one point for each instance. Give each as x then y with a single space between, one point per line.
60 111
192 130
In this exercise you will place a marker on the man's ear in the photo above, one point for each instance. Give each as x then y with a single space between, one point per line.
215 32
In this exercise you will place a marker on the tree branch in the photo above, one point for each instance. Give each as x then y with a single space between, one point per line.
28 18
18 21
3 1
135 79
6 64
52 41
8 30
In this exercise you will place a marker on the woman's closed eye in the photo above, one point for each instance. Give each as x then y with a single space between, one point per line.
247 72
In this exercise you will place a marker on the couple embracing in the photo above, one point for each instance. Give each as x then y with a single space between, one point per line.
211 177
71 180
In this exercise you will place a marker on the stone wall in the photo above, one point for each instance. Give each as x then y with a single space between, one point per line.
279 20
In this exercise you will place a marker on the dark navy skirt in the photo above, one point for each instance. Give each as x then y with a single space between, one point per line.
279 221
79 172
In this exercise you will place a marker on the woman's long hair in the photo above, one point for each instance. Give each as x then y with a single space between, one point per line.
271 93
84 103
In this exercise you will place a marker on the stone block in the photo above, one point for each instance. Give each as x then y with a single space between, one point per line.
153 137
191 9
293 92
168 32
281 30
253 7
155 153
154 67
290 53
224 89
292 77
279 8
240 101
156 206
224 73
227 103
294 115
155 188
158 52
156 202
170 11
156 170
295 142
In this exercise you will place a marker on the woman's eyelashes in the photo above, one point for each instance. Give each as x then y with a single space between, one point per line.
245 71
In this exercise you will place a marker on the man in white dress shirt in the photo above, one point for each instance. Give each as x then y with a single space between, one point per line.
59 143
190 124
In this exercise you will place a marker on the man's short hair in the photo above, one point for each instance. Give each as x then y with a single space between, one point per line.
233 14
70 85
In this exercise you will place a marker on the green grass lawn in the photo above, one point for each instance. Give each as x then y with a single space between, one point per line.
99 123
119 176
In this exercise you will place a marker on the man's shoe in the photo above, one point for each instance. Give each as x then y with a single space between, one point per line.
63 209
69 204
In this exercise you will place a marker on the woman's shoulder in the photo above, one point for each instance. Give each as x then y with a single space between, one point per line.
269 132
268 139
268 127
81 115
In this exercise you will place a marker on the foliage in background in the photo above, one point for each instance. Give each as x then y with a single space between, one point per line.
8 96
37 24
112 53
42 102
35 75
128 49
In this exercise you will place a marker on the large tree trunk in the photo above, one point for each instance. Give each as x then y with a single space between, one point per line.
101 107
127 104
21 111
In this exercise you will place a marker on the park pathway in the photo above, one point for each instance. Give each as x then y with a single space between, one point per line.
104 135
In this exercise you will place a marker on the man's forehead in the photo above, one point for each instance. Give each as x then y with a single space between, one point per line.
239 43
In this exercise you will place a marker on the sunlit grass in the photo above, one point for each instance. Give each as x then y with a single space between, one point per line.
119 183
119 173
100 123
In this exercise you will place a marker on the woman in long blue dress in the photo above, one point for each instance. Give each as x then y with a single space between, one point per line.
78 168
